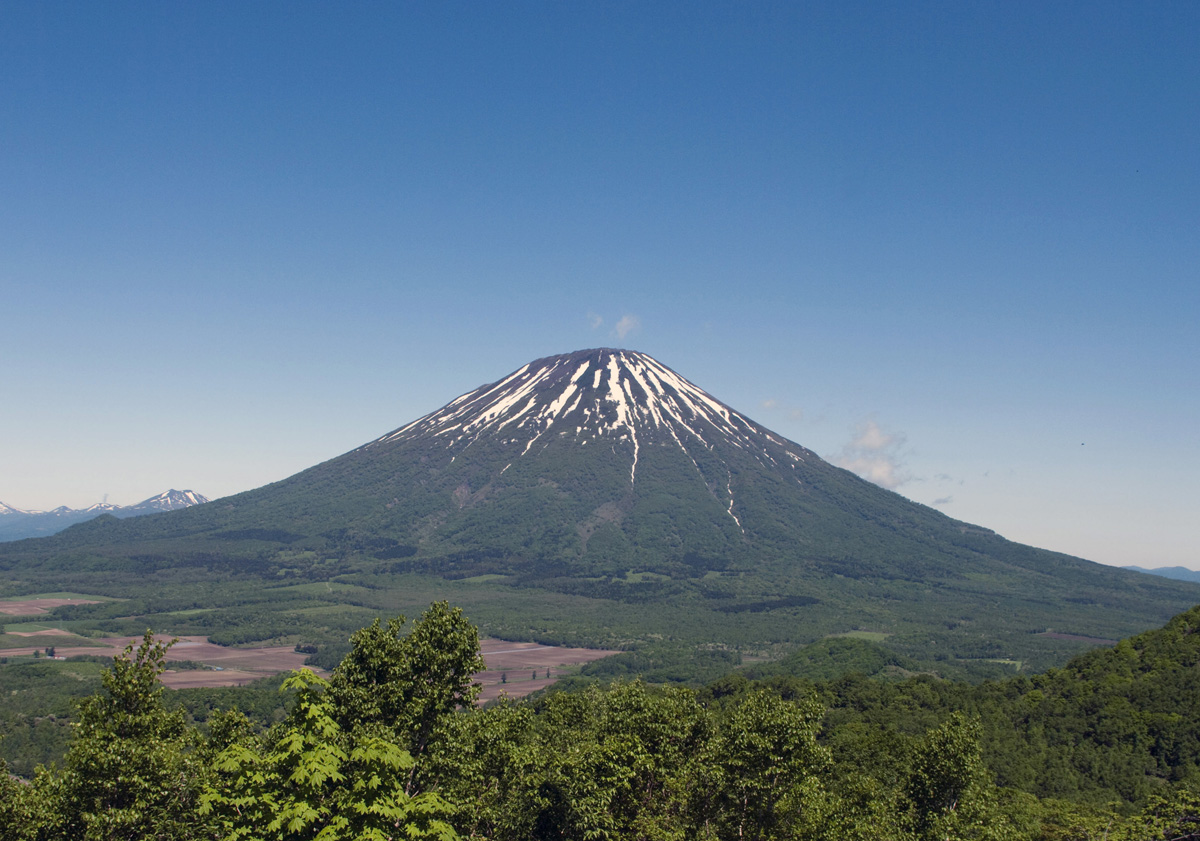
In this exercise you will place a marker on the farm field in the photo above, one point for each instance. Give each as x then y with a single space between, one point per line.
41 604
227 666
510 665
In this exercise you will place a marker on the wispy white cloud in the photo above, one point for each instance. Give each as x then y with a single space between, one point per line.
774 406
876 455
626 325
945 500
594 320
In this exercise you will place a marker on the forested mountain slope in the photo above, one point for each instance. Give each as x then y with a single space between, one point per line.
1113 724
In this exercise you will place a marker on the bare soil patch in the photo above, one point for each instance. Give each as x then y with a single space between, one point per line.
48 632
230 666
62 651
36 607
197 678
511 666
267 659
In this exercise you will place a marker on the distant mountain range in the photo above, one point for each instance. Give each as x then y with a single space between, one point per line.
1178 573
17 523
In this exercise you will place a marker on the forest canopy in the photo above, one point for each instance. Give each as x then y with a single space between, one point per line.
392 745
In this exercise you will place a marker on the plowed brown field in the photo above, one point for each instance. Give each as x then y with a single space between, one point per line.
36 607
510 666
518 661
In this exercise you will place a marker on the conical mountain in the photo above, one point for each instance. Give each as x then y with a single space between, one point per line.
591 463
602 459
604 475
170 500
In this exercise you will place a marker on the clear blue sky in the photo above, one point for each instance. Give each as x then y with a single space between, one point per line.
237 239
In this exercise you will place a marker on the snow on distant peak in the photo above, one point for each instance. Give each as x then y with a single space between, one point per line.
171 500
8 509
166 501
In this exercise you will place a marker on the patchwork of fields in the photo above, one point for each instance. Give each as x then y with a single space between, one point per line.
513 668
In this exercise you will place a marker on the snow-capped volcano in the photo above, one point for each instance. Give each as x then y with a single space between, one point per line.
169 501
601 395
98 508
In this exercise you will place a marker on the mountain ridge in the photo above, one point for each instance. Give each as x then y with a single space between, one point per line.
19 523
1178 573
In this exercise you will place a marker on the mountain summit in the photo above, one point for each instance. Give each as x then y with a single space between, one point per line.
617 396
602 482
171 500
621 400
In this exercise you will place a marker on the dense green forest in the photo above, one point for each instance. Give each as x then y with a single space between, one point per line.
391 746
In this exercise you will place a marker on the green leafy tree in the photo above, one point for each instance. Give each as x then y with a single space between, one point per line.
344 765
16 819
1171 816
765 770
130 772
485 764
620 763
408 683
948 790
311 779
603 763
1061 820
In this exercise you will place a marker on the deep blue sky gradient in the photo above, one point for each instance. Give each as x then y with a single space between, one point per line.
238 239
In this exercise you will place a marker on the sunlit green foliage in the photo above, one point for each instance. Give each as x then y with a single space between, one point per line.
392 747
311 779
947 789
130 772
408 683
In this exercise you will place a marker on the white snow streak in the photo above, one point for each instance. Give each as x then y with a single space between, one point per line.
628 397
617 393
729 490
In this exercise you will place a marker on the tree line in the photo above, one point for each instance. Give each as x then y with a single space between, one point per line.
393 746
